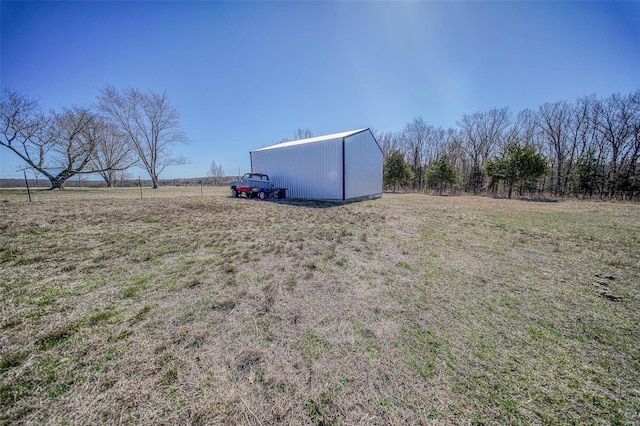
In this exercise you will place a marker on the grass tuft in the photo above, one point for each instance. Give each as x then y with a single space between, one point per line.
311 346
57 336
12 360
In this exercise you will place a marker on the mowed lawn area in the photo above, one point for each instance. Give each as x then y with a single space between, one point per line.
184 307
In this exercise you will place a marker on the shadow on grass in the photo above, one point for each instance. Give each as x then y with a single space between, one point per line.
301 202
529 199
463 194
316 204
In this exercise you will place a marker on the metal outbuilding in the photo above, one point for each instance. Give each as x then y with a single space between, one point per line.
344 166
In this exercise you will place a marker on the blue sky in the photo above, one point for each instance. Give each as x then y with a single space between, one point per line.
244 75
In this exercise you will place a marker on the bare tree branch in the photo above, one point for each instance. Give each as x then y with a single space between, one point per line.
302 134
216 173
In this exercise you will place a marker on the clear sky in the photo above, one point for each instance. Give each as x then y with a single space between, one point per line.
244 75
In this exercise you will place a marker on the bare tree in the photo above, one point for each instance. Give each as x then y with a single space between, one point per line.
113 155
58 146
151 124
614 123
216 173
302 134
580 136
494 128
582 129
436 143
414 140
555 124
481 134
634 159
76 132
525 130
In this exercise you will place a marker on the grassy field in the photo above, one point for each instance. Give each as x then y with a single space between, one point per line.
182 308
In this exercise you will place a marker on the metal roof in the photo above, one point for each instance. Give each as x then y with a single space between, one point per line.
312 140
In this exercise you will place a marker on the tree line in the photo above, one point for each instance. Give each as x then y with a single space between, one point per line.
123 128
585 148
589 147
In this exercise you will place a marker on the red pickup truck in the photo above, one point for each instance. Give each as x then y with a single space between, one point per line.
256 185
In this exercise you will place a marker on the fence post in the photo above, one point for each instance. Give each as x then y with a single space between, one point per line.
27 183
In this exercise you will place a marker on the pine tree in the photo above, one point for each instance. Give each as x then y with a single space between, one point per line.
519 165
442 174
396 171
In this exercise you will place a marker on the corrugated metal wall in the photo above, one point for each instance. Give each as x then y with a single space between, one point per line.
363 164
312 171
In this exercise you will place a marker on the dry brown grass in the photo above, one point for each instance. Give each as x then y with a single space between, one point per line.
411 309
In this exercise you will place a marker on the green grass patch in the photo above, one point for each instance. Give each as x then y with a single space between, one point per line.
422 349
12 360
311 346
59 335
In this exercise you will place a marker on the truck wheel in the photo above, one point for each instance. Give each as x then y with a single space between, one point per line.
234 193
262 195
